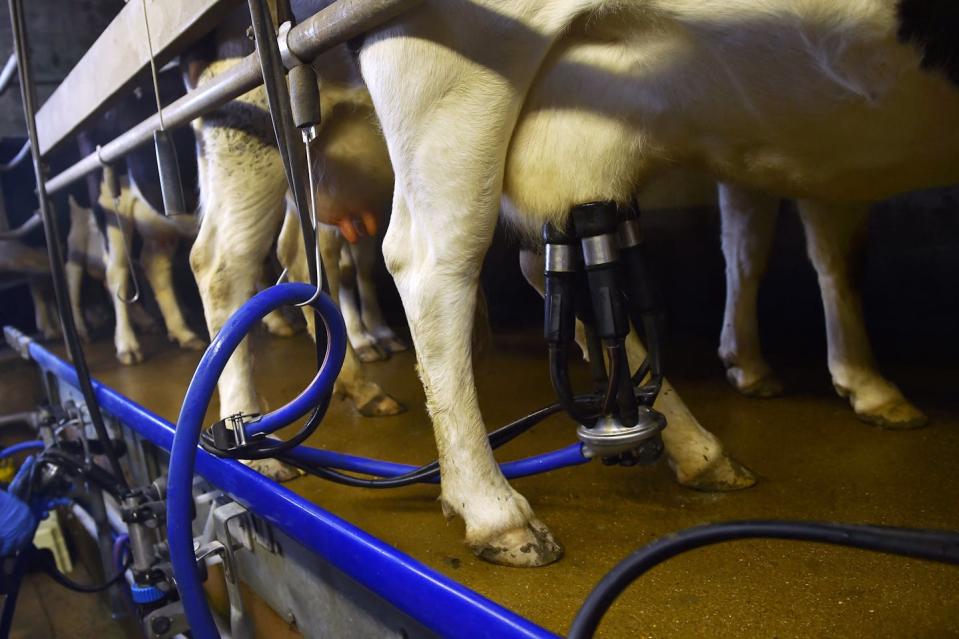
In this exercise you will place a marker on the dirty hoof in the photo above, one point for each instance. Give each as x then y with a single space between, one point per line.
768 386
527 547
128 358
392 344
724 475
371 353
381 406
273 469
193 343
898 414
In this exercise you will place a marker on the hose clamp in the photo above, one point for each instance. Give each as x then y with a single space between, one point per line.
560 258
600 249
629 234
289 58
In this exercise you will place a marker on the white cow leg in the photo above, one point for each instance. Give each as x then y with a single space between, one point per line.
334 247
696 456
833 236
243 206
364 255
118 286
369 399
157 259
748 223
74 275
439 295
46 319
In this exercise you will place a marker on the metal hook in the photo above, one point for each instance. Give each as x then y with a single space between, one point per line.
308 134
126 249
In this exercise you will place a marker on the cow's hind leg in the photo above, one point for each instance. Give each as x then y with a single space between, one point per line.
833 236
370 400
334 247
748 222
243 191
364 255
695 455
118 287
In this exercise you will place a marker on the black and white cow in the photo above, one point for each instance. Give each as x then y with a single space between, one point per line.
555 103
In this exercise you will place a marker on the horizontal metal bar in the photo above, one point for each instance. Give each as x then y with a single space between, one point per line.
441 604
331 26
115 59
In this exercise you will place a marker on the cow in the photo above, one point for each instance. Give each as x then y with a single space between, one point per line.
243 204
102 251
551 104
834 233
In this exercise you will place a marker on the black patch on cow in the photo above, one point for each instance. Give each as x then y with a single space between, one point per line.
933 27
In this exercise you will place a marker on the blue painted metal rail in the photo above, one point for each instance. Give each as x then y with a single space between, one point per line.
439 603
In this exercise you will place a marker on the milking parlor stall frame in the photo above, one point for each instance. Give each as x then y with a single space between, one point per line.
314 569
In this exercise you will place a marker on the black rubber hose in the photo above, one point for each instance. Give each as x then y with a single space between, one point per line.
431 470
47 565
939 546
54 250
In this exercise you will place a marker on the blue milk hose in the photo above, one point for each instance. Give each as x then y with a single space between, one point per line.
196 402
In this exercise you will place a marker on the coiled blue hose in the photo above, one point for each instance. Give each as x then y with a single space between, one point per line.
190 423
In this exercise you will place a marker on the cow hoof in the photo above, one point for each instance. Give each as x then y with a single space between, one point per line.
898 414
273 469
130 357
278 327
392 344
527 547
766 386
371 353
381 405
193 343
723 475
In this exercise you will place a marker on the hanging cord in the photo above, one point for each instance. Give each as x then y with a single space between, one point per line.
153 65
113 185
54 247
309 134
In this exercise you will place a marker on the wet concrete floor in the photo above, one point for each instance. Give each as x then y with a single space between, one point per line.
815 461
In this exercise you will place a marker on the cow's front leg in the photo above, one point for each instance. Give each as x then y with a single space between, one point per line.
696 456
834 235
748 222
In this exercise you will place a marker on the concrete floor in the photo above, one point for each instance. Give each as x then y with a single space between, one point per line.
815 461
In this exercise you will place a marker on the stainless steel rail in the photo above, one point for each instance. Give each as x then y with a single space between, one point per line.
337 23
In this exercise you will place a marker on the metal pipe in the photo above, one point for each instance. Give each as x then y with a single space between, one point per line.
27 417
33 222
18 158
54 248
8 73
337 23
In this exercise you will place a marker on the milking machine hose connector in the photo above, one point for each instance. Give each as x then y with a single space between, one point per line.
189 424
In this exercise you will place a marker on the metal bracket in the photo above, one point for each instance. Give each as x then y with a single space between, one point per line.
220 516
289 58
165 622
